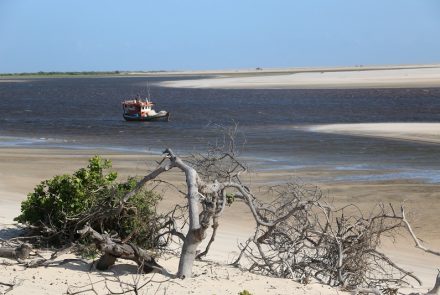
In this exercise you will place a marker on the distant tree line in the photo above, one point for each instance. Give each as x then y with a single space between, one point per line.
82 73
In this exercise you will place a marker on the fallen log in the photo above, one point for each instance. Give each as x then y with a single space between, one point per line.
112 250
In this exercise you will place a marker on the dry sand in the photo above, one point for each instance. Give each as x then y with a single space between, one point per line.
422 132
383 77
22 168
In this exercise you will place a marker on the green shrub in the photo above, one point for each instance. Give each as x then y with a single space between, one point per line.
91 195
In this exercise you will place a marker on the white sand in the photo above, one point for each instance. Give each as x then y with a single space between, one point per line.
327 78
21 169
424 132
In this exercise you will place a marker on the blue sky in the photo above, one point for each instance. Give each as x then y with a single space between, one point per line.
80 35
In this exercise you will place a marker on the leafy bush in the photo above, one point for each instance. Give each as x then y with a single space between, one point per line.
66 195
62 205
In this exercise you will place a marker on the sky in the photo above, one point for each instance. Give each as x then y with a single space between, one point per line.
107 35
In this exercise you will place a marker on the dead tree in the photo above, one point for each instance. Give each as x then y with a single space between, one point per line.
210 193
198 222
298 235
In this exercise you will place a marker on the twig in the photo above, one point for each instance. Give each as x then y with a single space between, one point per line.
413 235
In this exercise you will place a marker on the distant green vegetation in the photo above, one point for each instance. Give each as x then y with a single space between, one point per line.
75 74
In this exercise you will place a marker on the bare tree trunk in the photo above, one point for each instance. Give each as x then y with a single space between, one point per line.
195 233
189 251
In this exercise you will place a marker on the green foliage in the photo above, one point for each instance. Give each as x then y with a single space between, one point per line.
75 74
65 196
83 73
244 292
230 198
86 249
66 202
138 219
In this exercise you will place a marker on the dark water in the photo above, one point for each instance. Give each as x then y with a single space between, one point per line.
87 112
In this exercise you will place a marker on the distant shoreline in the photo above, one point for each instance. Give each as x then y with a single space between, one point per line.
325 78
245 72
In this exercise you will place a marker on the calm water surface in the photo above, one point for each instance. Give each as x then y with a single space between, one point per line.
86 112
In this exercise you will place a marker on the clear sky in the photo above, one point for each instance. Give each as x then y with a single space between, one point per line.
100 35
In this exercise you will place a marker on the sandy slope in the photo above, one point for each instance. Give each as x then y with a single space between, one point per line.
327 78
21 169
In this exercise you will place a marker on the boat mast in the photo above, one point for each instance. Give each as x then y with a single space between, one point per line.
148 92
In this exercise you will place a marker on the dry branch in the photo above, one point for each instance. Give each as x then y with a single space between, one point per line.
9 287
112 250
416 240
300 236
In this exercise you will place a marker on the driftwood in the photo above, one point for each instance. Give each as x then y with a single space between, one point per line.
20 252
112 250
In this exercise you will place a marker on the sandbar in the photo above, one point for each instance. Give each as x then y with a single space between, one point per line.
421 132
326 78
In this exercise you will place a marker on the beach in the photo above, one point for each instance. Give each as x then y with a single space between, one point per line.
278 148
22 168
347 130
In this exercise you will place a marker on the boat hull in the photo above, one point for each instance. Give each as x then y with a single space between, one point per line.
164 117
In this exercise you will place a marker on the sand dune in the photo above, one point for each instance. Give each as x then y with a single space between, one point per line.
327 78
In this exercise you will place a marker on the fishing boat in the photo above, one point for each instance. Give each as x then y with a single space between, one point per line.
141 110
